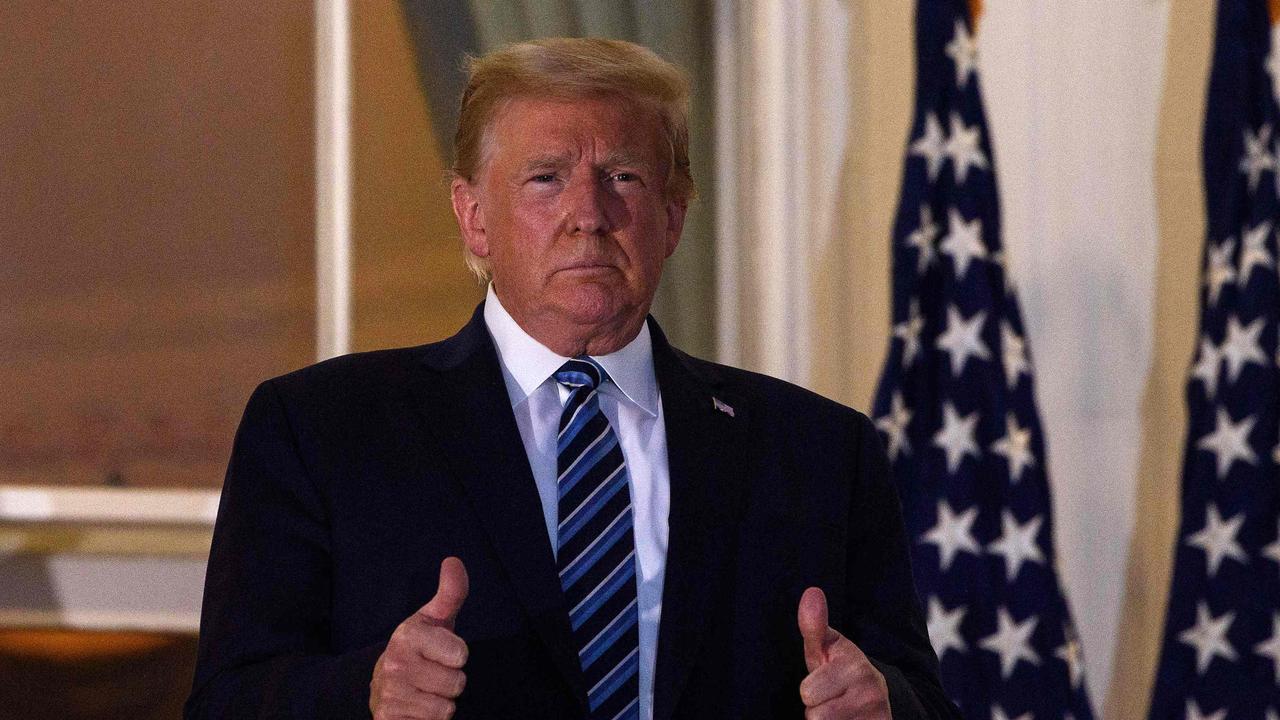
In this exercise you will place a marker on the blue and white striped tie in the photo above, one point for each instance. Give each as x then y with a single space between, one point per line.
595 551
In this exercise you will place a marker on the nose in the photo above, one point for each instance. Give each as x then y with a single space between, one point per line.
587 206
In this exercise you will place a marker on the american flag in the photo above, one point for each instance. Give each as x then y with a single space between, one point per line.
1221 652
956 406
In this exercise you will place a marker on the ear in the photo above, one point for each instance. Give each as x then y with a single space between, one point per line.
676 210
467 208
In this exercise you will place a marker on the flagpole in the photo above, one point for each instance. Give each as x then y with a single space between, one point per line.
333 177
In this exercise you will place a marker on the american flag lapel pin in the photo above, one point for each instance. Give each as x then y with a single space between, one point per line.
722 406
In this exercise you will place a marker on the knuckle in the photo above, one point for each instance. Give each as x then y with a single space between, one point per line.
443 708
402 637
446 647
459 684
807 693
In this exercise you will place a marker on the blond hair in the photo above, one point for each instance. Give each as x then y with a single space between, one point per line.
570 69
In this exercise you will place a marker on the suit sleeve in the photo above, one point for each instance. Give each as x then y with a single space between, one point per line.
264 648
887 622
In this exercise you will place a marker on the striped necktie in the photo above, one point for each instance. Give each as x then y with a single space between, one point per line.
595 551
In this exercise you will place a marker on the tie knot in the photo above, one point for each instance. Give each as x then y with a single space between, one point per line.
581 371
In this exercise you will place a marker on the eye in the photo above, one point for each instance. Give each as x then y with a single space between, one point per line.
625 177
543 178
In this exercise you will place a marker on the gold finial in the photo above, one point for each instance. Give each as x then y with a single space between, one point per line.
975 12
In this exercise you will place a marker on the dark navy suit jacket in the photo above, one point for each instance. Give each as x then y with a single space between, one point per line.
351 480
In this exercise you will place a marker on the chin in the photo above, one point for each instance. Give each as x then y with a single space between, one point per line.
594 304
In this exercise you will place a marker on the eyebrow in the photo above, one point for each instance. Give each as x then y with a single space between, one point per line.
613 159
625 157
541 161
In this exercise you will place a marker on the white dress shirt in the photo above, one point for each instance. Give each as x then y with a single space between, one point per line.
633 406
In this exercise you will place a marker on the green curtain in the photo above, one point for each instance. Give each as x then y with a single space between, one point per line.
678 30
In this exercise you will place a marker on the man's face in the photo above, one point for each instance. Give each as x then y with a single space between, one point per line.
571 210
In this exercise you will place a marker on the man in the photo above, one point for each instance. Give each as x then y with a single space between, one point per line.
554 513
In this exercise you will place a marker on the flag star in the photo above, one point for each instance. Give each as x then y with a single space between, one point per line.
963 339
1209 637
894 426
1221 271
1069 653
1272 551
956 436
1015 447
952 534
1253 251
998 713
1270 648
932 145
922 239
1229 442
1218 539
1017 544
962 148
1014 354
1012 641
909 331
1257 160
963 241
963 51
1242 346
944 627
1193 713
1206 368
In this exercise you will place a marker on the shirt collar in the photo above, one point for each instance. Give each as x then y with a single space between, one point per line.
529 363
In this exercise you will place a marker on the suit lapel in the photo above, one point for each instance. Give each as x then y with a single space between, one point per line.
706 440
468 410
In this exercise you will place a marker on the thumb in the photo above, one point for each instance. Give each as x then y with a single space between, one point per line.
443 608
812 618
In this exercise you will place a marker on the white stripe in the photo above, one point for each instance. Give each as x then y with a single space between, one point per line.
627 709
584 452
568 569
607 627
603 484
575 414
604 582
613 670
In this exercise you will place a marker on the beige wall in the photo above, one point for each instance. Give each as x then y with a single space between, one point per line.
156 230
851 282
410 284
1180 204
156 218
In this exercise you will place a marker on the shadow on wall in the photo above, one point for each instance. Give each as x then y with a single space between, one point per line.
1180 207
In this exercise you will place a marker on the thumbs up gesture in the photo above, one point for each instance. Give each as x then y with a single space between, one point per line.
420 674
842 682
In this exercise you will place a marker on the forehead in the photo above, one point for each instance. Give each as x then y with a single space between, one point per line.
527 127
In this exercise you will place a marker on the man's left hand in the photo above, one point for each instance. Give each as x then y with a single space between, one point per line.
842 682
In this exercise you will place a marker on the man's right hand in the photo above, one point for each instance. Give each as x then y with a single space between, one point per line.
420 673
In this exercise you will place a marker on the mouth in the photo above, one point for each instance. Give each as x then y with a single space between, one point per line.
587 268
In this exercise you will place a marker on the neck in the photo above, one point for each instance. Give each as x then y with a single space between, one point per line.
562 333
575 341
